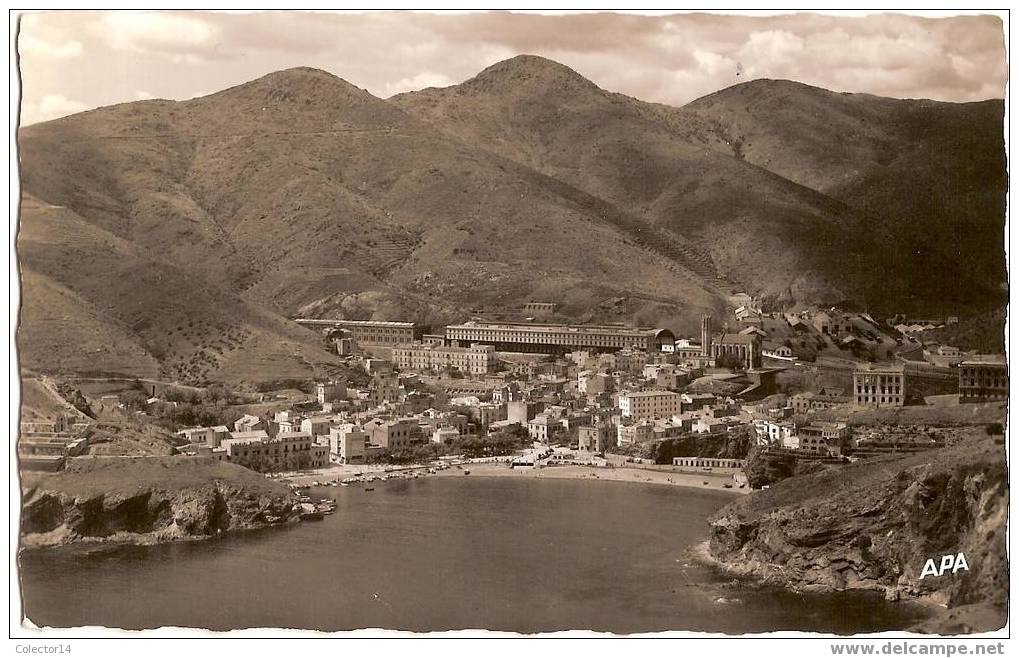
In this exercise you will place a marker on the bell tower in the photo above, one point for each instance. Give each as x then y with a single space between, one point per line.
705 335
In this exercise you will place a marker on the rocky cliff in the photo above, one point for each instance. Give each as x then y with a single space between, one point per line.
147 500
874 526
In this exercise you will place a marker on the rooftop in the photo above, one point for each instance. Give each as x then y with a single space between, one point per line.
985 360
737 339
357 323
897 368
257 434
554 328
645 394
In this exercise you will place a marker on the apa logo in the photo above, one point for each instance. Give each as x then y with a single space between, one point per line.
948 562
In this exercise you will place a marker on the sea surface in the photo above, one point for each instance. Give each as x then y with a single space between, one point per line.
524 555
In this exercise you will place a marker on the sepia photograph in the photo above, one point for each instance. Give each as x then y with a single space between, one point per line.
510 324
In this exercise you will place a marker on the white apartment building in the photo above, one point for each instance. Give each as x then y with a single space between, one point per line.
475 360
649 404
776 433
347 444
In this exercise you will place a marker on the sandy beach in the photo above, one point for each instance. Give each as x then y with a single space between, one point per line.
714 481
636 475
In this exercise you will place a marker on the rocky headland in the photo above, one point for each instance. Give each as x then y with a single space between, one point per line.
874 525
148 500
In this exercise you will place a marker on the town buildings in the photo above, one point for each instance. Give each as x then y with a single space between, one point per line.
775 433
803 403
595 383
824 438
629 433
348 444
544 429
594 396
879 386
315 425
596 438
672 377
253 435
694 401
558 338
478 359
370 332
333 391
249 423
487 413
288 451
983 378
394 434
445 435
706 462
832 323
521 411
742 350
210 436
708 425
641 405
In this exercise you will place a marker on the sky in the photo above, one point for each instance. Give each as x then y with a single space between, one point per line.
74 61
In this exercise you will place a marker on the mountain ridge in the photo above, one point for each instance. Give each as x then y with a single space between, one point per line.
300 191
858 185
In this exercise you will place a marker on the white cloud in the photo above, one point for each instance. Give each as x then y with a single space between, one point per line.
143 96
672 59
186 58
419 81
33 46
157 32
771 53
52 106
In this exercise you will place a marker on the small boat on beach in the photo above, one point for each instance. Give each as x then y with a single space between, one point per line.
467 471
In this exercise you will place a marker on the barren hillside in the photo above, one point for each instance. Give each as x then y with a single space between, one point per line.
173 239
795 192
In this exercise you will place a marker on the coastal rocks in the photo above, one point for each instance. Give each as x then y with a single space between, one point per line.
189 513
723 445
207 502
42 513
764 468
873 526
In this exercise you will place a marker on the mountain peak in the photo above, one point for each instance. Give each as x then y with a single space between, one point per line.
303 77
529 70
307 97
303 73
781 90
299 85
